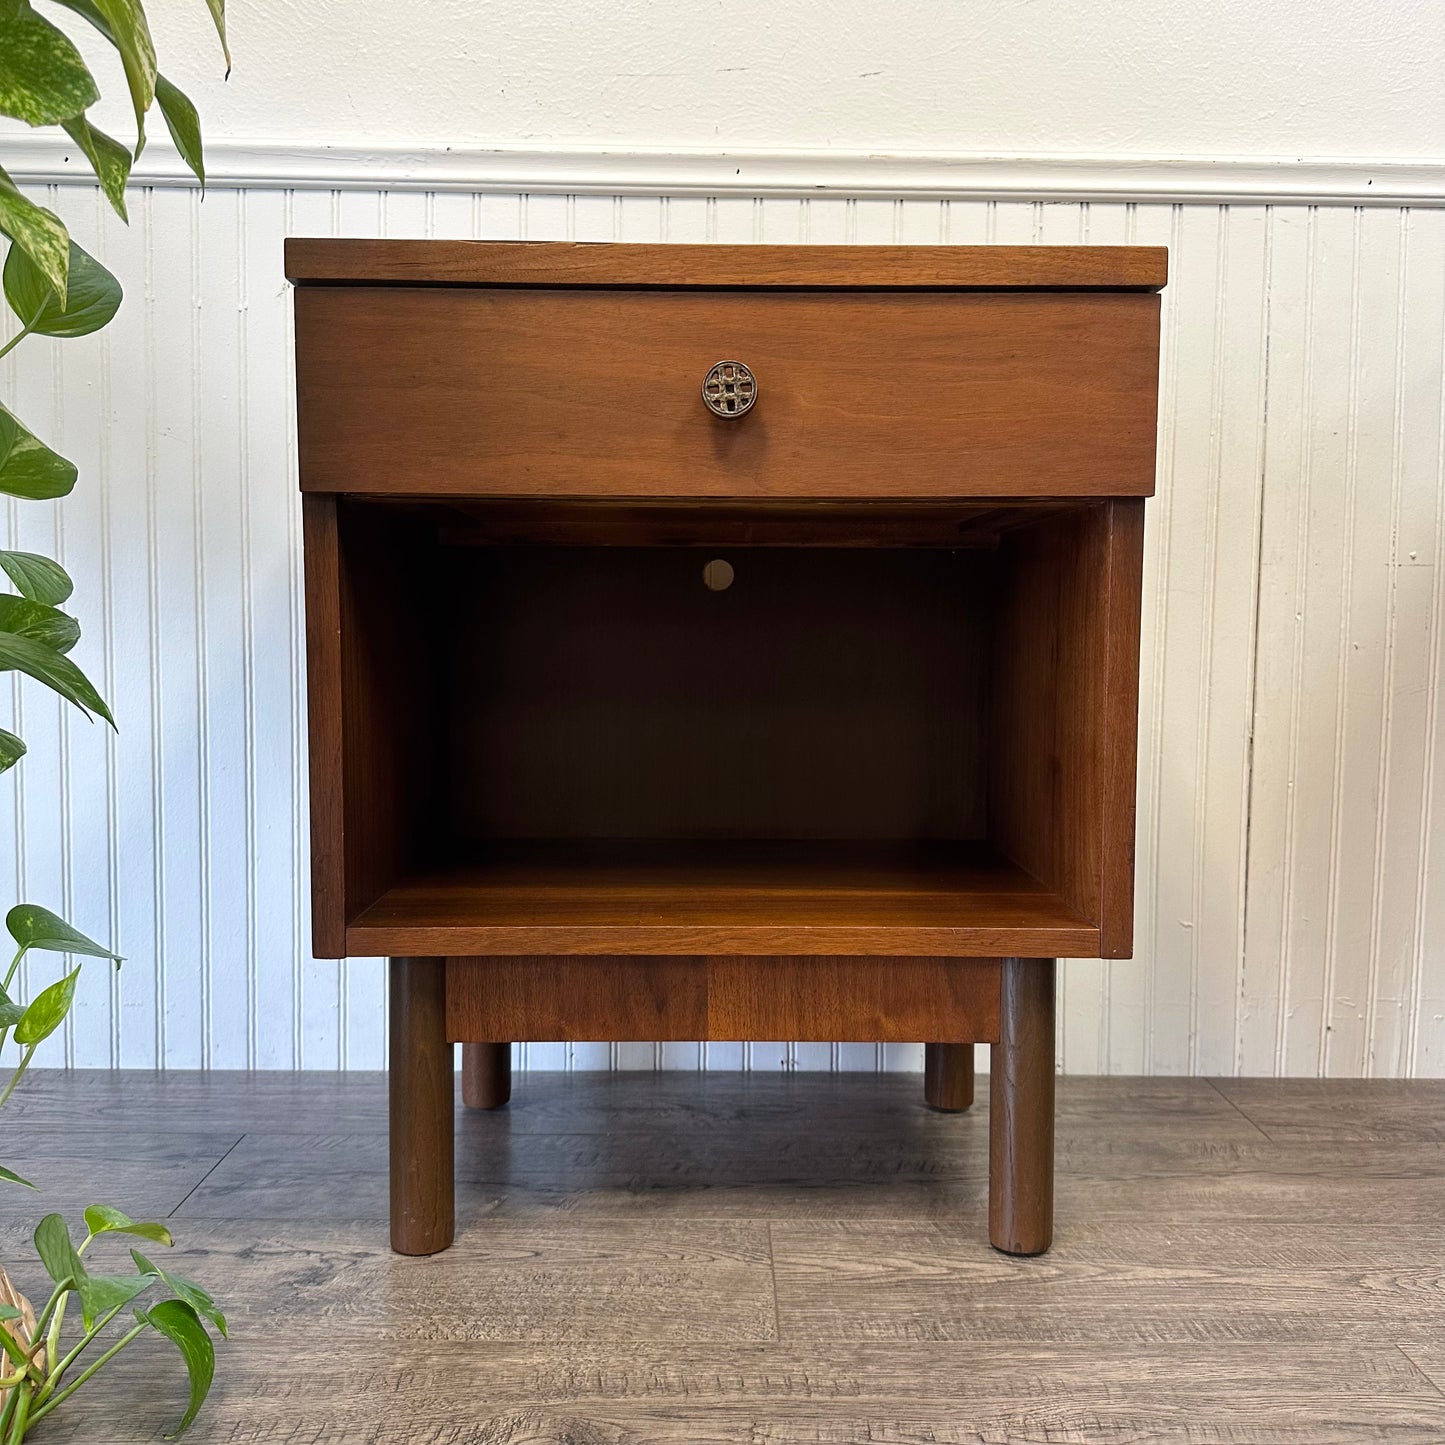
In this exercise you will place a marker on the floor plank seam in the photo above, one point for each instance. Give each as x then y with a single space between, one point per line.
206 1176
1253 1124
773 1275
1423 1373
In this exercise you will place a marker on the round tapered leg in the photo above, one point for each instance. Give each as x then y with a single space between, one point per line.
422 1090
1021 1111
948 1077
486 1075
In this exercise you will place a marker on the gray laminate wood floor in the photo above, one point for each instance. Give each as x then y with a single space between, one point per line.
767 1259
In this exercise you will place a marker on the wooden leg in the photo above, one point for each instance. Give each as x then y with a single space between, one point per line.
948 1077
422 1090
1021 1111
486 1075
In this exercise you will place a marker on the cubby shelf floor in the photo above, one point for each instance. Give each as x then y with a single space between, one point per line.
611 896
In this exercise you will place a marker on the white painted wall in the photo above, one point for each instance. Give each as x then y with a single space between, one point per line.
1291 895
1232 77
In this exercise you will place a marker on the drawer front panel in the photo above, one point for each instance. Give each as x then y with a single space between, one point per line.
599 393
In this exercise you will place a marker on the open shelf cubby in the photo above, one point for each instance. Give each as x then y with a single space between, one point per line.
879 729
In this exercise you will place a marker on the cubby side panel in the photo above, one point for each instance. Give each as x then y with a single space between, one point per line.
389 687
323 691
1124 599
1063 711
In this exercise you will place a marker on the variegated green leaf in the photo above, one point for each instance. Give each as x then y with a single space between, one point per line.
28 468
34 619
93 298
108 159
218 15
123 23
43 78
184 124
39 233
12 749
37 577
56 671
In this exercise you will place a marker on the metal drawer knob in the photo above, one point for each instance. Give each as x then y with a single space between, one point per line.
729 389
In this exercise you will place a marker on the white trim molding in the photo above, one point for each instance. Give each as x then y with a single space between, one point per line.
50 159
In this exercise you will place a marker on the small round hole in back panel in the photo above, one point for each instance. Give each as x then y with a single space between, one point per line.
717 576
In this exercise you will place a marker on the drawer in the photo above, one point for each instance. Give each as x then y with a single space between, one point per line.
598 392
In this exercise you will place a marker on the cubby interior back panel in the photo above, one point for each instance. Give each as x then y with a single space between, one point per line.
608 692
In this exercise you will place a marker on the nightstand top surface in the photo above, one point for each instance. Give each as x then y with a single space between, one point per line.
602 263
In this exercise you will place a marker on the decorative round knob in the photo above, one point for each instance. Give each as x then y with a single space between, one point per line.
729 389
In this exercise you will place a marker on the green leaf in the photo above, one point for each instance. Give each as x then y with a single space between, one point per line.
101 1293
37 577
34 619
93 297
11 1177
10 1012
39 233
102 1219
177 1321
34 927
184 124
47 1010
43 78
9 1312
57 1251
108 159
186 1289
28 468
12 749
123 23
218 14
54 669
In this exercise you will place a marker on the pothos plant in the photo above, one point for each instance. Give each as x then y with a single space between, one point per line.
55 289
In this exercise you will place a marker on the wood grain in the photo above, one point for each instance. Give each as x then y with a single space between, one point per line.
1122 602
1341 1110
324 724
832 1393
754 899
509 263
692 1266
607 693
486 1074
1021 1117
897 1281
575 999
864 394
687 522
948 1077
1064 710
422 1210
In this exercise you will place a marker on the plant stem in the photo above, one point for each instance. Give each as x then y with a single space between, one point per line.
8 1413
55 1302
9 978
14 341
85 1374
58 1370
20 1069
52 1343
10 972
21 1420
28 327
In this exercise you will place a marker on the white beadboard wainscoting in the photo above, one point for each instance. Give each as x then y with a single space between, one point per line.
1291 861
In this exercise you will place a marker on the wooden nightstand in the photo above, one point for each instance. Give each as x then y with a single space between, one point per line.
723 643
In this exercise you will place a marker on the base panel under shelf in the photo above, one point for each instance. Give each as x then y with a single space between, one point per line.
860 1000
711 899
